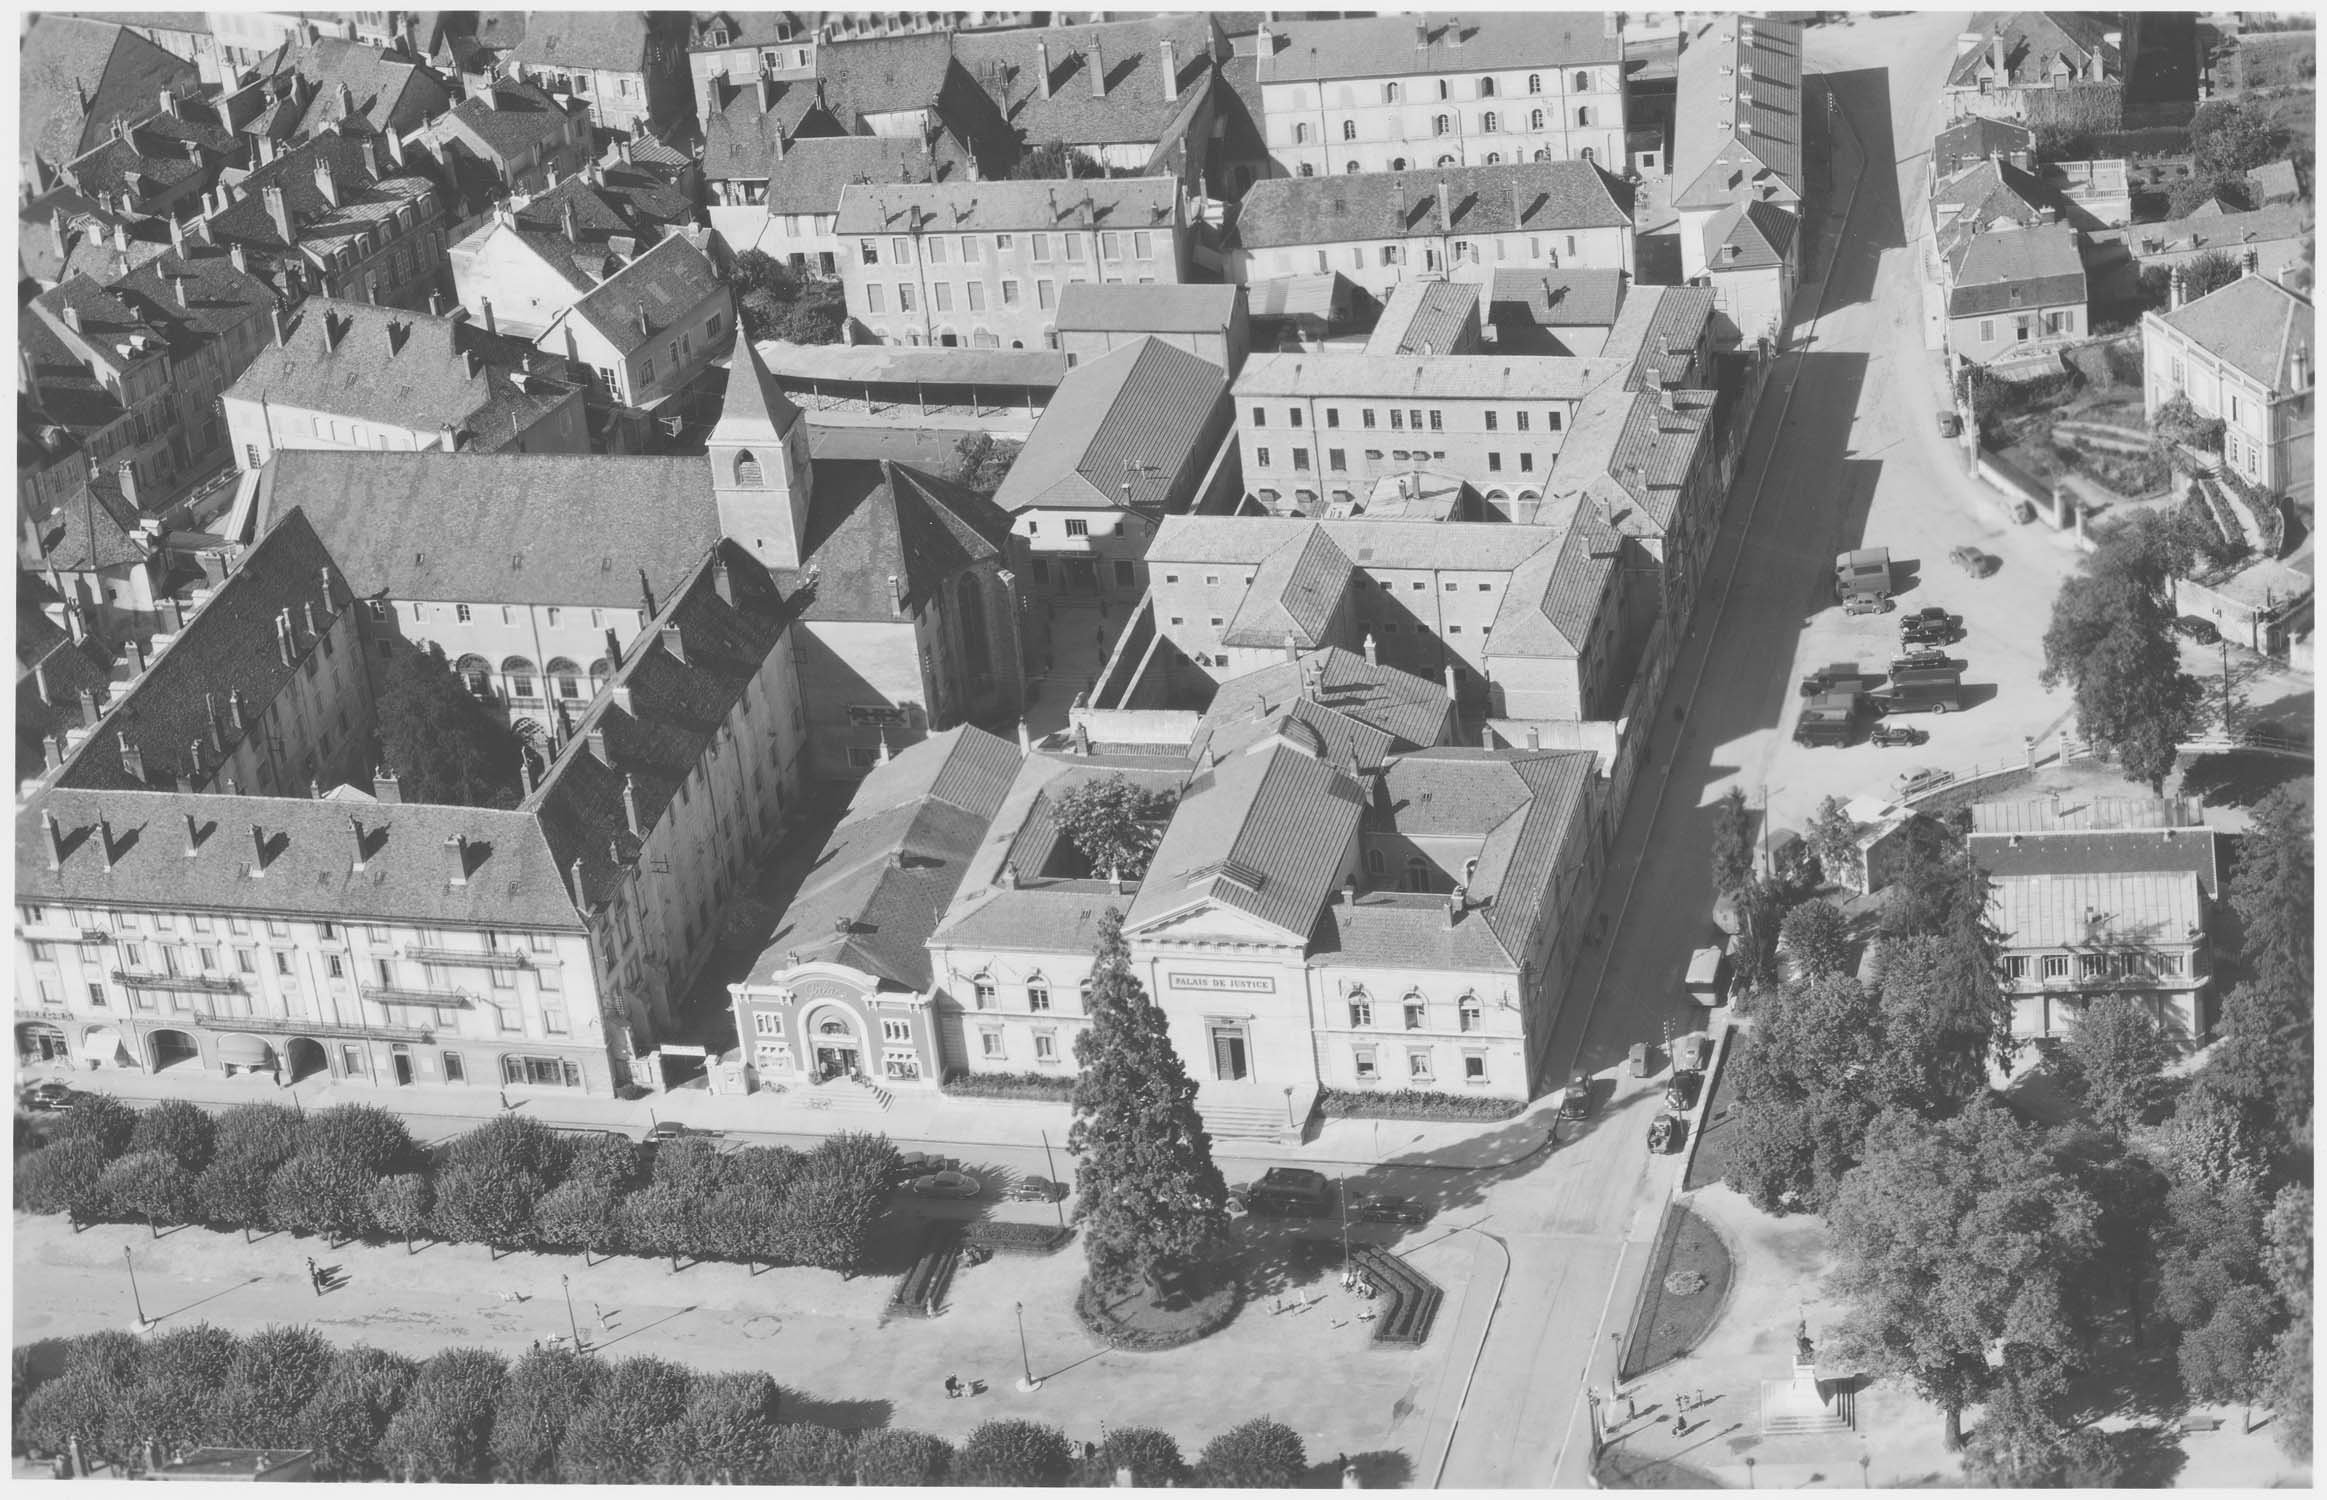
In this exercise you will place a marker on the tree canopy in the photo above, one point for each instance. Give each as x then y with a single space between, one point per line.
441 743
1732 842
1114 823
2115 1057
2111 640
1055 161
1148 1196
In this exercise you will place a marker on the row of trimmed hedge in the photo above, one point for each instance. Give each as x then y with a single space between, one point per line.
1059 1087
354 1171
553 1416
1414 1104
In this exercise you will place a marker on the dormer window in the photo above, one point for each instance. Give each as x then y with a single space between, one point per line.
719 37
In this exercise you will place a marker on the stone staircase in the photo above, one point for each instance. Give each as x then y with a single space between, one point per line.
1789 1410
2225 498
2104 435
1249 1112
847 1096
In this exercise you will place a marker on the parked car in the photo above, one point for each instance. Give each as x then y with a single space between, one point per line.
1575 1103
1036 1190
1295 1192
947 1185
671 1130
1950 424
1973 561
50 1097
1836 677
1944 696
2198 628
1378 1208
1865 604
1693 1053
1666 1133
1929 614
1637 1060
1682 1091
1921 656
1922 779
1928 633
1898 734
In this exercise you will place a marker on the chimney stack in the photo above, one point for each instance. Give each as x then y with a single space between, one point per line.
630 804
1534 738
1450 693
258 851
137 658
721 583
1445 208
1373 650
569 222
1042 65
105 843
673 644
40 681
1171 70
355 826
2178 289
384 787
1456 902
56 840
485 306
280 211
193 836
326 181
1097 63
1292 647
132 759
456 849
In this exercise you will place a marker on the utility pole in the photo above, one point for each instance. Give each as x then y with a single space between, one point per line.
2226 727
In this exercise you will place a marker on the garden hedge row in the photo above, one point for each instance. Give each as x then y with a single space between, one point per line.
1413 1104
354 1171
553 1416
1047 1086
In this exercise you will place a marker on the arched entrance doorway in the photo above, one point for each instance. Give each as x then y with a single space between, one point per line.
834 1043
306 1058
166 1049
39 1042
240 1052
102 1044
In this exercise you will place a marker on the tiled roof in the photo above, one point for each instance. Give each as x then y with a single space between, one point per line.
380 364
1265 833
2217 228
1474 376
1368 544
1409 711
71 395
1982 192
1975 138
755 409
2054 815
1044 369
77 75
50 662
2017 269
2100 910
384 91
2102 852
1659 330
521 117
501 528
643 190
883 75
311 867
1294 596
888 872
662 711
1557 299
1386 46
2255 324
1554 597
1425 317
2032 39
665 284
1119 307
93 528
1404 930
1134 108
362 200
1516 197
812 173
1738 129
870 523
1298 296
1761 233
612 40
974 207
743 28
229 646
1120 430
1307 727
139 163
2273 180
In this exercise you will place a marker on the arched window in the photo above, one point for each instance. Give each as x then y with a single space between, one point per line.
1444 91
600 673
1535 119
1486 88
1308 170
1584 115
1535 83
1389 93
1586 153
1300 134
1037 991
983 338
476 675
1583 83
1352 167
1470 867
1361 1006
1487 122
1349 130
1494 497
982 991
832 1027
1417 1010
1442 125
568 679
519 673
1373 862
1543 153
747 468
1473 1014
1397 164
1446 161
1417 874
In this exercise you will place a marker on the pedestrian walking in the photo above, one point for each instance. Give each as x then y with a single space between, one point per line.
1631 1409
953 1387
1682 1400
604 1325
314 1277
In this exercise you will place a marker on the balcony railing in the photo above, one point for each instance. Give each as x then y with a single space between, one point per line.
292 1026
213 984
401 995
470 958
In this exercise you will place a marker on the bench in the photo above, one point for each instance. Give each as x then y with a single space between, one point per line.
2196 1423
1413 1298
921 1290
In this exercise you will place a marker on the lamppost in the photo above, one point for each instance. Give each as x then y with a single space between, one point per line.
135 1301
1341 1185
1592 1409
1616 1370
1749 1484
1865 1460
1026 1381
1289 1122
571 1321
2225 644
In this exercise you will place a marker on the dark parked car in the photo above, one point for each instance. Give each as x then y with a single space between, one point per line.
672 1130
2198 629
1295 1192
1898 734
1836 677
44 1098
948 1184
1376 1208
1682 1091
1666 1133
1575 1102
1928 633
1917 657
1693 1054
1929 614
1035 1190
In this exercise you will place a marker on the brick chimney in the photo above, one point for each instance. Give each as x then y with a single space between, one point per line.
258 852
132 759
1042 65
326 181
456 860
280 212
1171 69
630 804
384 787
1097 63
56 840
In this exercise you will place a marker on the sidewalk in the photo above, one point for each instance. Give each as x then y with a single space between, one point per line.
912 1119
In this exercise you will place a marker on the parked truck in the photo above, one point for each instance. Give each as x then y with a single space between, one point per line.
1828 719
1919 698
1864 574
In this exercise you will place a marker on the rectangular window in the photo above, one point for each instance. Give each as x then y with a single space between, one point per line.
969 248
982 991
977 296
283 964
1009 294
1111 246
941 294
934 251
990 1045
2056 966
1337 459
1142 245
1526 463
873 298
1987 330
1418 1065
899 253
1078 527
1074 245
1301 460
2092 966
1361 1013
1494 463
1474 1067
553 1020
1522 421
1437 424
869 252
2016 967
1490 421
1041 244
1293 416
1260 458
1552 421
97 996
1414 1015
1367 416
1038 997
1363 1063
1045 294
905 302
1045 1046
767 1023
1002 241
